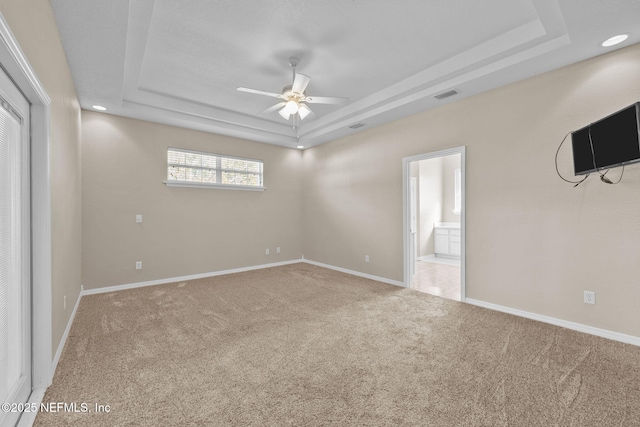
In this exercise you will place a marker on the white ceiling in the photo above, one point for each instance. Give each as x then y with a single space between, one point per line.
180 62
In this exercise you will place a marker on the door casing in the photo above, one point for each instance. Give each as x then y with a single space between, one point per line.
406 223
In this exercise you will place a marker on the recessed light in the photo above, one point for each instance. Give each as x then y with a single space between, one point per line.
300 146
612 41
99 108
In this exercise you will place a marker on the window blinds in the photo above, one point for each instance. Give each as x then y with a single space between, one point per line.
212 169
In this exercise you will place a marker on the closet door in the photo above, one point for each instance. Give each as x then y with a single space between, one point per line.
15 251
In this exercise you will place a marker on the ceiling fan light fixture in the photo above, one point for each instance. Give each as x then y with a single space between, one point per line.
284 113
291 107
293 98
303 111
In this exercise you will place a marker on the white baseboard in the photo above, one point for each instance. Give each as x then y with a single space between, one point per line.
28 418
115 288
63 340
616 336
426 257
355 273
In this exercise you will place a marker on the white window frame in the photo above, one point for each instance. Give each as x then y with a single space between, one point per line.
218 170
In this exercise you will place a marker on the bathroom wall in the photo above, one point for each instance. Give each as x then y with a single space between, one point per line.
431 201
449 165
436 195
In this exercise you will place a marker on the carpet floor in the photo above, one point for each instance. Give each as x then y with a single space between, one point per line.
306 346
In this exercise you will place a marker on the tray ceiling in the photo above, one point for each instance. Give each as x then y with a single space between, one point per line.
180 63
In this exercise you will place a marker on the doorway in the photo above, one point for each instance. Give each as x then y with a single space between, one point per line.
434 223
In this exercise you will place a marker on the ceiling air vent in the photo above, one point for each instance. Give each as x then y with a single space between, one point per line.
356 126
446 94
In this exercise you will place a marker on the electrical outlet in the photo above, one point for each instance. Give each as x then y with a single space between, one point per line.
138 219
278 250
366 258
589 297
138 265
266 252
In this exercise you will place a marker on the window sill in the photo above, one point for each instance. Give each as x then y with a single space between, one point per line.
212 186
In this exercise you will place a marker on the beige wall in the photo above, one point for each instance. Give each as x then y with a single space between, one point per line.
33 24
185 231
534 242
350 205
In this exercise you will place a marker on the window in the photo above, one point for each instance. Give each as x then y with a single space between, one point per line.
198 169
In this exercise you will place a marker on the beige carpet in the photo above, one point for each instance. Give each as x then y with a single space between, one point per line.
305 346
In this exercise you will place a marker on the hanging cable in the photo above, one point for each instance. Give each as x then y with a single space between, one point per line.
558 171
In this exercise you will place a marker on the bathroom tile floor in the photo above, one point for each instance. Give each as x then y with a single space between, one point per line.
440 277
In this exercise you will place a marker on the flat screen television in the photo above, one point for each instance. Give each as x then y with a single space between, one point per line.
607 143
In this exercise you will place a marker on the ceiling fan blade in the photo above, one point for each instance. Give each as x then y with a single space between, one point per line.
300 83
326 100
259 92
311 115
274 108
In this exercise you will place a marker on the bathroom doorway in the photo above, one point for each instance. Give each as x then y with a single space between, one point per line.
434 222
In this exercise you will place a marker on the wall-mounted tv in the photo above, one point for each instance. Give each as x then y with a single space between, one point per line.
607 143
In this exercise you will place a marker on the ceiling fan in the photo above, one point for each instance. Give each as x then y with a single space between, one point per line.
294 99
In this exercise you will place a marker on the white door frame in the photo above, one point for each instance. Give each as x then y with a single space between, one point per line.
406 219
413 225
18 122
16 65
